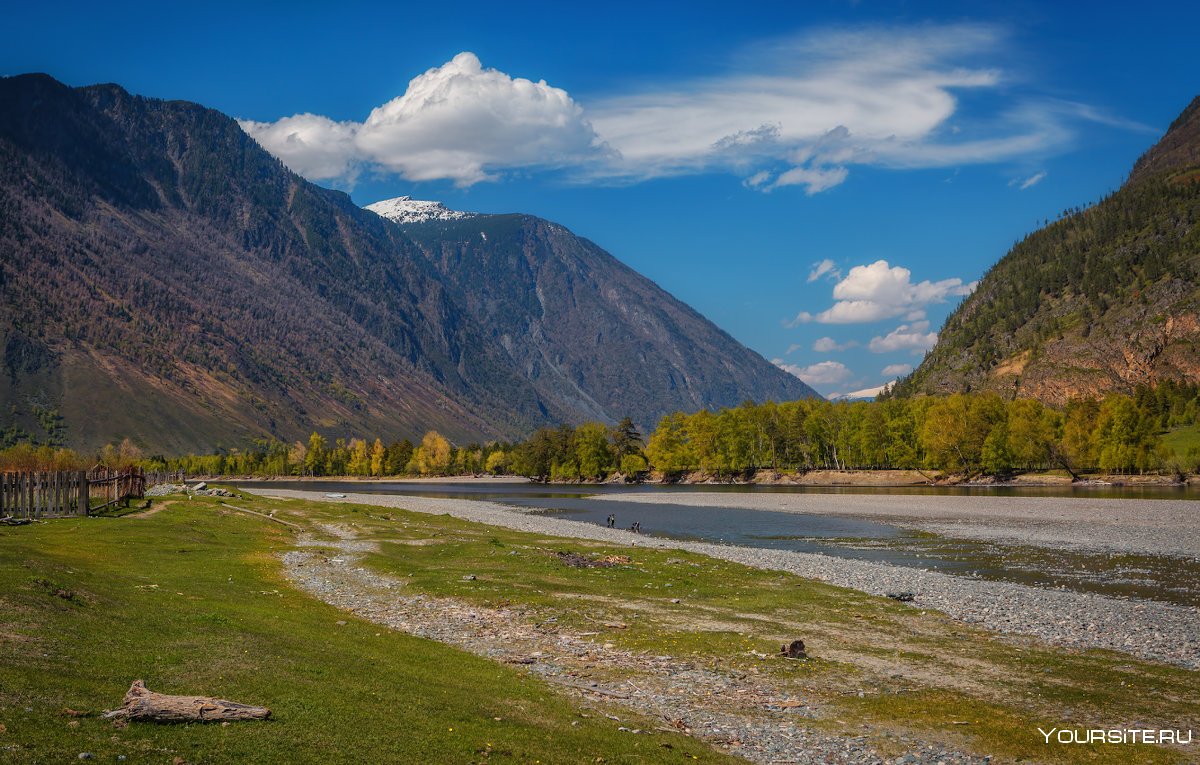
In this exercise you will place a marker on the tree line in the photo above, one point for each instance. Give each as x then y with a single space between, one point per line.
960 434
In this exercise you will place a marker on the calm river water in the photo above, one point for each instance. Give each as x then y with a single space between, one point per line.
1169 579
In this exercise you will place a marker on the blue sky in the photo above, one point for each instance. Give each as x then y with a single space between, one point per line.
824 180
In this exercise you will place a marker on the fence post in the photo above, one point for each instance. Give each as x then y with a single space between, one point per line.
84 493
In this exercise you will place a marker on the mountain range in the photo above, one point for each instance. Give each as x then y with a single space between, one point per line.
166 279
1106 298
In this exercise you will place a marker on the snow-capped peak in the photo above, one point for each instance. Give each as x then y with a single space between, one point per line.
409 210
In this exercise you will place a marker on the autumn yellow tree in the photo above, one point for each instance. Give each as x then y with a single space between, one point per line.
378 458
120 456
360 459
433 455
497 462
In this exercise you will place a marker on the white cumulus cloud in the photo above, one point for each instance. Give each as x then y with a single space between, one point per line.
458 121
883 291
821 373
313 146
800 111
895 370
914 337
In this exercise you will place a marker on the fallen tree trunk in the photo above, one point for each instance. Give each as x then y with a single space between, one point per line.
143 704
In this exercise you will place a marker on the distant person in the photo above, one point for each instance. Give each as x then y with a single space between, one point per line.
612 521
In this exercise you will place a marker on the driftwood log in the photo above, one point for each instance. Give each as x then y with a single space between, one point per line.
143 704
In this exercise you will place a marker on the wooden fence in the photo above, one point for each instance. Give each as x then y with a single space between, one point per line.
32 494
37 495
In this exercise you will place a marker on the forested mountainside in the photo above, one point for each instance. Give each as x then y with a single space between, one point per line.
164 278
1104 299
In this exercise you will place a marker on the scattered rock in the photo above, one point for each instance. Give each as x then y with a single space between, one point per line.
86 756
793 650
576 560
903 597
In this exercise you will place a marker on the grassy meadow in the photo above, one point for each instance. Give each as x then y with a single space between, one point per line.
191 599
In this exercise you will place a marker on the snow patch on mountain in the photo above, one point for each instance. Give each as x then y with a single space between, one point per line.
409 210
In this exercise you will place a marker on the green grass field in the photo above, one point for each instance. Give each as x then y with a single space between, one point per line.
191 599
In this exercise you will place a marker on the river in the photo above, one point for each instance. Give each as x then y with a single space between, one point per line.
1165 578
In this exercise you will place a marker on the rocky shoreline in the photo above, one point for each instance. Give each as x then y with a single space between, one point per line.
744 714
1082 523
899 478
832 478
1150 630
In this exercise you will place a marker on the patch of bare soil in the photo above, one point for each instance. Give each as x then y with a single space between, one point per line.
155 508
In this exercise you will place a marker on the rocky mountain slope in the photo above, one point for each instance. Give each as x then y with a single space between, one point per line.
162 277
1104 299
588 331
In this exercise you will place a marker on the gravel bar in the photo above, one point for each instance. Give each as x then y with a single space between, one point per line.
1144 526
1150 630
744 714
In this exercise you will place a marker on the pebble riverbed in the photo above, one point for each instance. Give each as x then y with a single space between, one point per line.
1149 630
743 713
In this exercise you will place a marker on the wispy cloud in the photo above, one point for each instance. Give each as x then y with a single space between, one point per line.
825 267
828 344
801 111
1024 183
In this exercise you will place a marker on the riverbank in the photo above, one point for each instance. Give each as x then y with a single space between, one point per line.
1150 630
1092 524
899 478
814 478
432 480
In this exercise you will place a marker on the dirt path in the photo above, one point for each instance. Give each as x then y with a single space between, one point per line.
157 507
746 714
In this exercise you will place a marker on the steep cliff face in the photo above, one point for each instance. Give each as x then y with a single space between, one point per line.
162 277
1105 299
590 334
